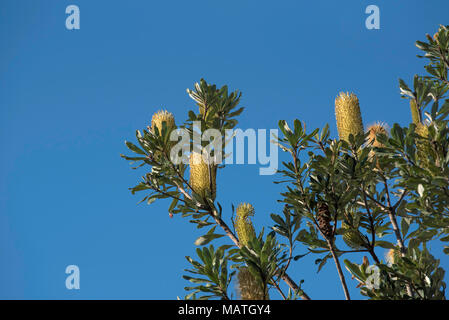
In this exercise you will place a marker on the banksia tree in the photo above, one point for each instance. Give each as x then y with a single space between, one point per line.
400 208
348 115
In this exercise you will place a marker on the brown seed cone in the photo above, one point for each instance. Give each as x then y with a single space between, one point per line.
324 220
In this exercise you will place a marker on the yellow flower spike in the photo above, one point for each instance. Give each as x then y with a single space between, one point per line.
248 286
243 225
415 112
423 149
352 237
161 116
348 115
199 175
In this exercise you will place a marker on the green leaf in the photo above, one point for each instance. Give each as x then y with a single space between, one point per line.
134 148
405 225
384 244
354 269
201 241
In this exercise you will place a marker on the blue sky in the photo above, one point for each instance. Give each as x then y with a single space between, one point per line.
69 99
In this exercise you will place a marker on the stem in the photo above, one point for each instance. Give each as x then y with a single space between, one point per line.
334 256
394 224
294 286
340 272
279 289
392 215
373 232
226 229
373 255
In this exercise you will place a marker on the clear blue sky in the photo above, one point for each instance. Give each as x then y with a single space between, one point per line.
69 99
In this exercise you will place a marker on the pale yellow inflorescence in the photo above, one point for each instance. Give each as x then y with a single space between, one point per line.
352 237
243 225
348 115
202 175
161 116
415 112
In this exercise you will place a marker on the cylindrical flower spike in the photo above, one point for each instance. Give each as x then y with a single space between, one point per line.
243 225
423 149
161 116
157 121
249 288
416 118
348 115
202 176
352 237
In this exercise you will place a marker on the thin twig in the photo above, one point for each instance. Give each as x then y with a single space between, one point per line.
340 272
279 289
